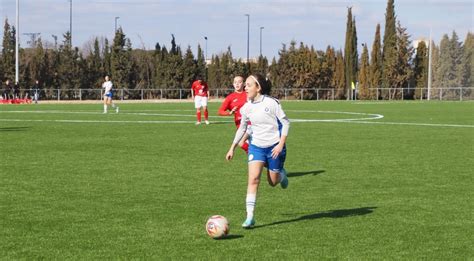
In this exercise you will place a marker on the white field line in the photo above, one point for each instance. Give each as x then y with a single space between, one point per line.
362 120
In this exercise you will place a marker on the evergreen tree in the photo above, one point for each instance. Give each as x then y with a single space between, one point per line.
389 52
189 68
445 70
8 51
375 64
350 52
120 61
404 70
39 64
201 66
421 69
339 76
466 69
364 75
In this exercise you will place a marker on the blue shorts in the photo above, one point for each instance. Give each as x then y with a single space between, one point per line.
109 94
265 155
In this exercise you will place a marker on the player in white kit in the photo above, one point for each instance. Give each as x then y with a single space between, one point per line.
269 130
108 94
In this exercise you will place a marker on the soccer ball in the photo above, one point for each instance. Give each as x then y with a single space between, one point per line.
217 226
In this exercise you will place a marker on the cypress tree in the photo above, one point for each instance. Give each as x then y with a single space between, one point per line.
349 53
364 75
421 69
389 51
445 70
8 51
376 64
339 76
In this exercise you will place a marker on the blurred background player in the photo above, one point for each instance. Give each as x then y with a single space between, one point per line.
232 104
36 89
267 146
108 93
200 94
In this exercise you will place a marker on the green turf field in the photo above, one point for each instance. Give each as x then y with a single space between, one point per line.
368 180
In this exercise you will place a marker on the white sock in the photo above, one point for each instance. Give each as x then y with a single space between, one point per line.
113 105
250 202
105 108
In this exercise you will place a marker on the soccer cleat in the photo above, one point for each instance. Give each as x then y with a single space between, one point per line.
248 223
284 181
198 123
207 122
117 109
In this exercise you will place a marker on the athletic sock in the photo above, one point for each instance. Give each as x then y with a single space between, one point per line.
198 115
206 115
250 202
105 108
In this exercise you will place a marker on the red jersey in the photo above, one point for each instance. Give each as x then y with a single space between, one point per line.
199 89
233 100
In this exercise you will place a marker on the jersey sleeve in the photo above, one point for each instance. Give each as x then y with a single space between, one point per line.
243 126
225 106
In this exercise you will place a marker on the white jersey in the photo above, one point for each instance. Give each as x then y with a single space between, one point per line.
266 117
107 86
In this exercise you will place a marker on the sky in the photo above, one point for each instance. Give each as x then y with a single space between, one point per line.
317 23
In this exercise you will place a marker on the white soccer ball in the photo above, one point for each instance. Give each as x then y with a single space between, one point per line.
217 226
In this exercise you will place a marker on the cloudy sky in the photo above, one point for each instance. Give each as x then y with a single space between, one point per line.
223 22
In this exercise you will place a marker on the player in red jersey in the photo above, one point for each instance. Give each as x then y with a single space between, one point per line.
232 104
200 94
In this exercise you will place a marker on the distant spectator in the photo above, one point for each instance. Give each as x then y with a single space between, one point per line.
7 90
16 91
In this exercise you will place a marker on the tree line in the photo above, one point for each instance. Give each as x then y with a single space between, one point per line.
392 64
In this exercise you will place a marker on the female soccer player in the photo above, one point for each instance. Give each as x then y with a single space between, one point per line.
232 104
108 93
267 146
200 94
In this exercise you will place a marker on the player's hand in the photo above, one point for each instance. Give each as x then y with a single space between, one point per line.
230 155
233 110
276 151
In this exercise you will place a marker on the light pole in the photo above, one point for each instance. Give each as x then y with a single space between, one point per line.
70 23
17 38
248 36
205 38
116 18
261 28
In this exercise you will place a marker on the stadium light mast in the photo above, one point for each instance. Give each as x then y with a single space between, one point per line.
261 28
116 18
429 68
248 37
205 38
70 23
17 40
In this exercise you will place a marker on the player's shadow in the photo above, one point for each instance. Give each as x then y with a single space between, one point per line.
14 128
338 213
304 173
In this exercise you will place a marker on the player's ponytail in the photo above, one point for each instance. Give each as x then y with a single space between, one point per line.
264 83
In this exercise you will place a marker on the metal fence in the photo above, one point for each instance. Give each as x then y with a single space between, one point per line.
451 93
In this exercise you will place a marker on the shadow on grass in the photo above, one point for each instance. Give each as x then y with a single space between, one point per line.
339 213
303 173
15 128
230 237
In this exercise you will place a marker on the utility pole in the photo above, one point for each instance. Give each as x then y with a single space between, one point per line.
248 40
261 28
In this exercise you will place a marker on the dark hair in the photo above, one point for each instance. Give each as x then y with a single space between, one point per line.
264 83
